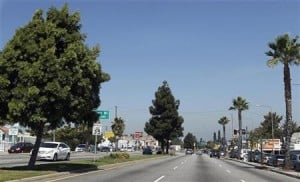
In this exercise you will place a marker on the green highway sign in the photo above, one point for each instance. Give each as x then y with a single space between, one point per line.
103 114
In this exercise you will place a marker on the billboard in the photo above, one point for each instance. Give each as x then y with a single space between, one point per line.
268 144
109 134
138 134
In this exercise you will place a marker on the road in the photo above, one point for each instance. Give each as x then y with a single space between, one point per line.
190 168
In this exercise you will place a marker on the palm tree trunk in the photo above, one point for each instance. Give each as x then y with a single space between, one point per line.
288 105
224 139
240 130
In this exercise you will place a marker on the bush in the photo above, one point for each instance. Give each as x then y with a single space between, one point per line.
117 155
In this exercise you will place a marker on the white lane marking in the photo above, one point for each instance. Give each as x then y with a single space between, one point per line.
243 180
228 171
175 167
220 165
158 179
182 163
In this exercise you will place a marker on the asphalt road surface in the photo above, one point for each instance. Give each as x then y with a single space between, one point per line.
184 168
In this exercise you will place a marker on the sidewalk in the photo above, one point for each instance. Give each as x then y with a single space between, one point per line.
291 173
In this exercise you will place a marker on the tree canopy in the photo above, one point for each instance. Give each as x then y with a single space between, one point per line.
189 141
165 123
48 75
118 127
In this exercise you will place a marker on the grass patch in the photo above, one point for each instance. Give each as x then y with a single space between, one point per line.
20 172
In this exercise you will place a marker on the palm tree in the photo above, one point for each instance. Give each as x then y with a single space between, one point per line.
285 50
240 105
118 128
223 121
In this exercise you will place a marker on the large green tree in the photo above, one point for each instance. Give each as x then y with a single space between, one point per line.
165 123
118 128
271 122
239 104
48 74
224 121
189 141
285 50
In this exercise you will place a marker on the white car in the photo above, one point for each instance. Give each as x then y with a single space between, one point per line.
80 148
54 151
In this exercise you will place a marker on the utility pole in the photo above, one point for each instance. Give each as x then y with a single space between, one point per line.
116 111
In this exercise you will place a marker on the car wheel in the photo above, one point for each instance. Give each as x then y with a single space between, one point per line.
55 157
68 157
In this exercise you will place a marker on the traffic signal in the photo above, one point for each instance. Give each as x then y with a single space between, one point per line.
235 132
243 132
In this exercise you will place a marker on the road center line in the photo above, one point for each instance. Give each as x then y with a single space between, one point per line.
243 180
220 165
228 171
175 167
158 179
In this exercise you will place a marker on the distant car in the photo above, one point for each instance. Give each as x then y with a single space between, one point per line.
159 151
105 149
147 151
215 153
54 151
81 148
21 147
189 151
199 152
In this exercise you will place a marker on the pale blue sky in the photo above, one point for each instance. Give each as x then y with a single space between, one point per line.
209 52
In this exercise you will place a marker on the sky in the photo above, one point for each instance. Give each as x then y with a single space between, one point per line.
209 52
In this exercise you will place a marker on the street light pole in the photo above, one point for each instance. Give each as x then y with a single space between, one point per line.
272 124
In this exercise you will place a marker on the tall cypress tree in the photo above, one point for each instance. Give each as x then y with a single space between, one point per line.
165 123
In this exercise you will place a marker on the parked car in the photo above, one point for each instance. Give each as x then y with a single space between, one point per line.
233 153
295 159
266 157
276 160
54 151
189 151
243 152
147 151
21 147
81 148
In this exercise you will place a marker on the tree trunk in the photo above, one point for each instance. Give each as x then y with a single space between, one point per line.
288 105
162 144
224 139
240 145
37 144
167 148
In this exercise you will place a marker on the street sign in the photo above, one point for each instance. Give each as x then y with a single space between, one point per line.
13 131
97 129
103 114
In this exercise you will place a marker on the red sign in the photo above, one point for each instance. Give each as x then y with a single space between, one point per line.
138 134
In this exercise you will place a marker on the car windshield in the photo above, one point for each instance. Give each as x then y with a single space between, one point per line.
81 146
49 145
18 144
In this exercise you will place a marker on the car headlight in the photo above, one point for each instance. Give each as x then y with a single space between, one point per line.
50 151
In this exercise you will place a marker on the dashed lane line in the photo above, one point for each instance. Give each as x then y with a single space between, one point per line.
175 167
158 179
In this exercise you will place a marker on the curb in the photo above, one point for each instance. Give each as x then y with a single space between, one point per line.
297 175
